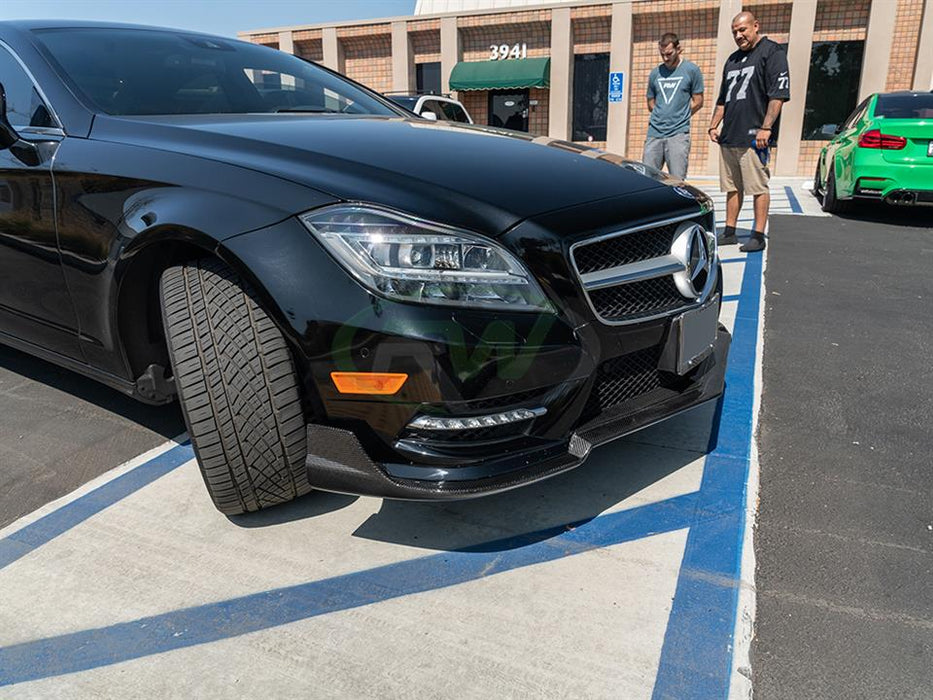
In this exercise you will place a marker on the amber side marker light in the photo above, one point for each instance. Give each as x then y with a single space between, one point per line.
377 383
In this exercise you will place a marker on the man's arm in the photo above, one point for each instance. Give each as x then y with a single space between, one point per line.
696 89
651 103
714 122
696 103
764 133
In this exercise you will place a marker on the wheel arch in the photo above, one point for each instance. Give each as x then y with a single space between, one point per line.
138 312
138 315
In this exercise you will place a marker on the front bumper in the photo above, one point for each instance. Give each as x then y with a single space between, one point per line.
596 380
340 463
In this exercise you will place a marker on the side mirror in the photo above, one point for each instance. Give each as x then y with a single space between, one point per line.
8 135
430 116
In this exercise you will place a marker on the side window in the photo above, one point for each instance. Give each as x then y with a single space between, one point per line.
454 112
856 115
432 106
24 107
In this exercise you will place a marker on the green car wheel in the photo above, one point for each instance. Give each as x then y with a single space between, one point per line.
831 201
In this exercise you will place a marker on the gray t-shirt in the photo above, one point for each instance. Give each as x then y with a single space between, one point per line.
671 90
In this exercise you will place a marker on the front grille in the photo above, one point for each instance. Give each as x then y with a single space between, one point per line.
624 378
629 277
624 249
637 299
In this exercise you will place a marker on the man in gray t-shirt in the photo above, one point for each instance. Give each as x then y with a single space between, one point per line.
675 94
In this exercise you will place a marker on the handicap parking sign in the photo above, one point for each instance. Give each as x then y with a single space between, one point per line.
616 81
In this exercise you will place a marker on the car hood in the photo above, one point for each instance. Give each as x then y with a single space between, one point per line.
472 176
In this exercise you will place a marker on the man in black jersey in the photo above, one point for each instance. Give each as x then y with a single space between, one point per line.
755 85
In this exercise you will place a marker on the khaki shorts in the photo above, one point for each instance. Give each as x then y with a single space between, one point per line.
740 170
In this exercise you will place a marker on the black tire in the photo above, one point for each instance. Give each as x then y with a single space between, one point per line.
817 190
237 388
831 203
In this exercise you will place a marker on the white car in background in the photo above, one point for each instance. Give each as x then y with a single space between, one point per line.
434 107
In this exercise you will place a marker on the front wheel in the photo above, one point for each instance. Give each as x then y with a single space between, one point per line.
237 387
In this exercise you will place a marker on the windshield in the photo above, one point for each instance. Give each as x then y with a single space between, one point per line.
142 71
406 102
905 106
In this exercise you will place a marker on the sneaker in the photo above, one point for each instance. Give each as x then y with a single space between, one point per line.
723 239
754 244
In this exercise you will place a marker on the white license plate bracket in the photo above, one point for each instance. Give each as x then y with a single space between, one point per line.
696 334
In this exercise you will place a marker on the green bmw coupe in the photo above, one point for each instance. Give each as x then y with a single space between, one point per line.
883 151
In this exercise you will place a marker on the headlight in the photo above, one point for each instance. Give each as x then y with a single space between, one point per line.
405 259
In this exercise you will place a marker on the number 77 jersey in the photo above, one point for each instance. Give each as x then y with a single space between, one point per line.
750 80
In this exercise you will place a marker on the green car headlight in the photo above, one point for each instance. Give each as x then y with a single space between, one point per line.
407 259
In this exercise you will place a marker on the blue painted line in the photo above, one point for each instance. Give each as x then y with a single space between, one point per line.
81 651
728 261
50 526
792 198
696 658
731 297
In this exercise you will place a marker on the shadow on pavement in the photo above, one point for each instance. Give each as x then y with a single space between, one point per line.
914 217
612 473
880 213
312 505
163 420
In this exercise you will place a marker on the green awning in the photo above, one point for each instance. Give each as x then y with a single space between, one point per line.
501 75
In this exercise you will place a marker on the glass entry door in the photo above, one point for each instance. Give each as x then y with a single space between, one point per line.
509 109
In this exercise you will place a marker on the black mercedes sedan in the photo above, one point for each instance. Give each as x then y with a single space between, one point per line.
340 296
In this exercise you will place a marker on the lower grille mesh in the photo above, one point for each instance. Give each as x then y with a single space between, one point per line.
624 378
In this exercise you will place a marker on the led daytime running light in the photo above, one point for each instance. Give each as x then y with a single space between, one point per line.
471 423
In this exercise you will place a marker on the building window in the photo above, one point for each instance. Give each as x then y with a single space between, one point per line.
590 96
832 89
428 78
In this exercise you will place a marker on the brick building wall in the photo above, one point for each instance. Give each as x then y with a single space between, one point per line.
905 45
477 104
696 24
309 44
366 49
368 60
270 40
426 46
836 20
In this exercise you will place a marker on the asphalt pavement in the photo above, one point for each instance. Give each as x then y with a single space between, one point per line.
844 541
60 430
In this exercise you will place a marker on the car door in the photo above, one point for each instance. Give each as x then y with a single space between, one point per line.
35 306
